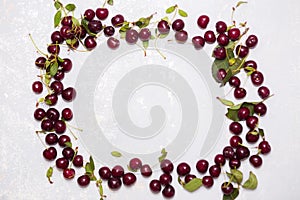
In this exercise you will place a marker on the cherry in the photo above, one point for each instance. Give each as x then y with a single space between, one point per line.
189 177
144 34
40 62
234 163
209 37
131 36
78 161
155 186
251 41
90 42
50 153
242 152
66 32
234 82
215 170
51 139
117 171
146 170
207 181
252 122
235 141
62 163
56 38
113 43
135 164
52 114
250 63
263 92
163 27
181 36
114 183
67 114
165 179
102 13
228 152
39 114
227 188
57 87
51 99
104 173
37 87
203 21
60 127
53 49
198 42
83 180
117 20
59 75
129 179
183 169
239 93
223 39
219 53
47 125
67 21
241 51
80 32
166 166
221 27
234 34
202 166
68 153
109 31
256 160
89 14
168 191
95 26
69 94
69 173
236 128
220 159
257 78
74 46
66 65
178 25
221 74
63 139
252 138
260 109
243 113
264 147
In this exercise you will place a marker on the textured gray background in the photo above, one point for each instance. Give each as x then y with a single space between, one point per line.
22 169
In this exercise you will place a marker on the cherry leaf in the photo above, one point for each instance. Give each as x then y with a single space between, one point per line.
261 132
57 18
70 7
146 44
238 175
193 185
85 23
251 183
110 2
49 174
57 5
68 144
240 3
90 166
116 154
182 13
75 21
161 36
53 68
164 154
233 195
170 9
225 102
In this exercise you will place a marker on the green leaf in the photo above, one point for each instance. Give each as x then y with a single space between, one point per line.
57 18
238 175
146 44
164 154
116 154
60 59
232 112
161 36
225 102
75 21
251 183
57 5
152 37
70 7
217 65
110 2
182 13
90 166
193 185
261 132
85 23
233 195
166 18
47 80
49 174
170 9
68 144
240 3
130 169
181 182
143 22
53 68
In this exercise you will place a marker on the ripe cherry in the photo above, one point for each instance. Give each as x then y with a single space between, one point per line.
209 37
63 139
102 13
215 171
250 63
163 27
234 34
89 14
83 180
117 20
260 109
234 81
166 166
104 173
69 94
40 62
263 92
257 78
135 164
219 53
51 139
67 114
234 163
264 147
37 87
56 38
183 169
223 39
168 191
62 163
69 173
203 21
220 159
113 43
198 42
146 170
155 186
109 31
202 166
208 181
227 188
50 153
129 179
90 42
117 171
251 41
221 27
239 93
228 152
181 36
252 138
165 179
68 153
252 122
241 51
235 141
242 152
178 25
78 161
243 113
256 160
114 183
189 177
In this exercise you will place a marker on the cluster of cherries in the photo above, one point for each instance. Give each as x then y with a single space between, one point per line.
54 123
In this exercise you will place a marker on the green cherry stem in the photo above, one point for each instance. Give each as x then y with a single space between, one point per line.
36 47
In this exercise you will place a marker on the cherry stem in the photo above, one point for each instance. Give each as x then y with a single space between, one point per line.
36 47
37 133
155 45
